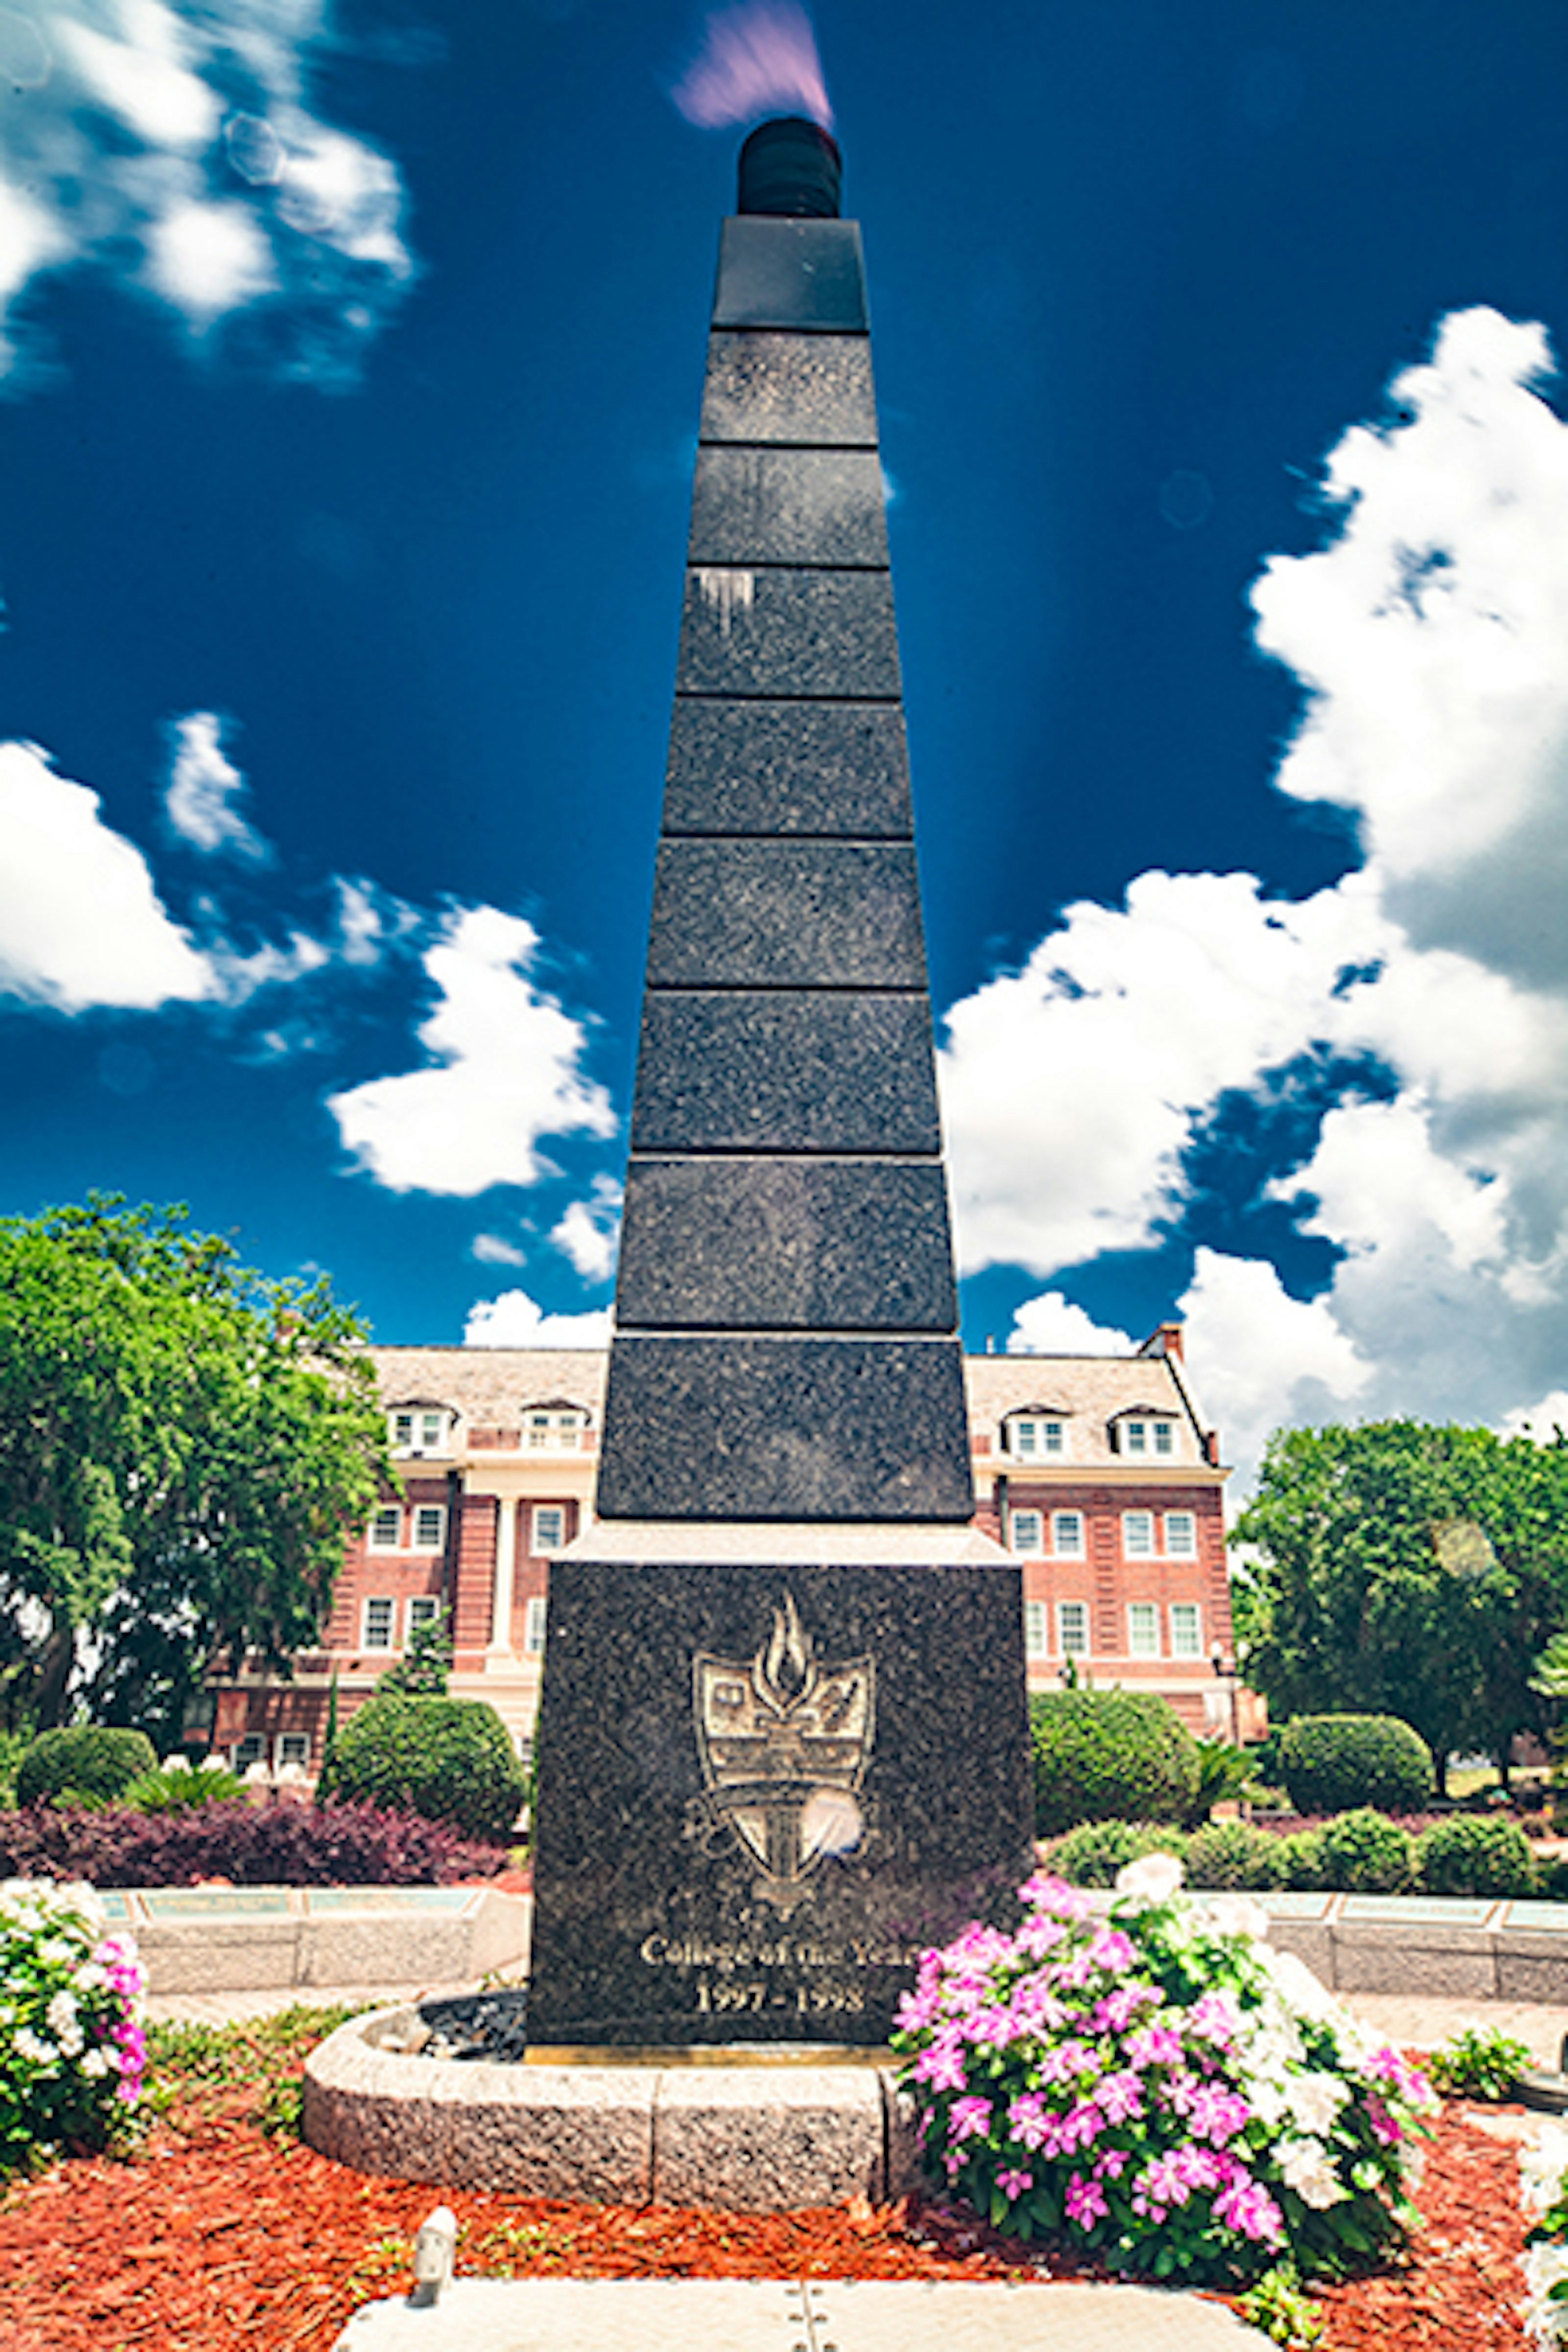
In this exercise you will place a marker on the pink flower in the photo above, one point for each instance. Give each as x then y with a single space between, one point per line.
1213 2017
1030 2121
1120 2096
1055 1896
941 2065
1383 2126
968 2117
1111 2164
1214 2113
1154 2045
1086 2201
1245 2205
1116 2012
1084 2124
1015 2185
1113 1951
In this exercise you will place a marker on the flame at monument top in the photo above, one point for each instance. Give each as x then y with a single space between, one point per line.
755 57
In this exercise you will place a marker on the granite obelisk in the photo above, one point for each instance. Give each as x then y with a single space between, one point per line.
783 1741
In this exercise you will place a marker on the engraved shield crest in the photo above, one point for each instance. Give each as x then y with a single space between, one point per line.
785 1739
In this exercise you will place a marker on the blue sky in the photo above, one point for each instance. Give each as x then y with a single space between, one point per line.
348 382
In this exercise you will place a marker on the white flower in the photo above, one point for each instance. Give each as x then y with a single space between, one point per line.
1542 2161
1306 1993
1154 1879
1304 2167
1315 2101
1233 1914
1543 2266
95 2065
29 2046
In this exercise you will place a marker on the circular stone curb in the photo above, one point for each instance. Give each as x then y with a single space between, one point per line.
742 2138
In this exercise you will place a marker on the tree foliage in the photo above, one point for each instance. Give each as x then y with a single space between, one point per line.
1407 1569
185 1446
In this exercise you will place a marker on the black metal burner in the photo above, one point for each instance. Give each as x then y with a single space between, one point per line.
488 2025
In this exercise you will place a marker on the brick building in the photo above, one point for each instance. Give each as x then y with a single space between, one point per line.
1098 1470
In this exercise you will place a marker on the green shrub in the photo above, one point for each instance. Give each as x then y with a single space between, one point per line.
1235 1855
1223 1771
1302 1861
1478 2063
1091 1854
13 1746
1471 1854
177 1788
1102 1755
89 1763
446 1759
1366 1854
1332 1763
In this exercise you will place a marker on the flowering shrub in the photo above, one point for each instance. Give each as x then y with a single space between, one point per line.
71 2047
252 1845
1156 2086
1543 2192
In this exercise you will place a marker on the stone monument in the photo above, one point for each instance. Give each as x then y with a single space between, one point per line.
783 1743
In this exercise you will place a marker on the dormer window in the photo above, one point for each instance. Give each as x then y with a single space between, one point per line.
1145 1435
418 1428
554 1429
1034 1436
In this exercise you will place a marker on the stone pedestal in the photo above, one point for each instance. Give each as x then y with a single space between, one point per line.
771 1782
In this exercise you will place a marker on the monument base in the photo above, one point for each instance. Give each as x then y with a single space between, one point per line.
775 1765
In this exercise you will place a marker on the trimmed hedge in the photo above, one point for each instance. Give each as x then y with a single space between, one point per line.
1474 1853
251 1845
448 1759
94 1761
1235 1855
1366 1854
1091 1854
1335 1763
1102 1755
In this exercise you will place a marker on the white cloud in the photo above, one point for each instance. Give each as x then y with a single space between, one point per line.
589 1230
81 920
1052 1326
505 1071
176 146
205 790
516 1320
494 1249
1428 632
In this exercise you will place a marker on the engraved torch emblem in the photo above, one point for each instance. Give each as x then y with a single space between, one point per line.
785 1740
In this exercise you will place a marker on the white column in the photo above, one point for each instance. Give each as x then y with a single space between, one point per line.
506 1564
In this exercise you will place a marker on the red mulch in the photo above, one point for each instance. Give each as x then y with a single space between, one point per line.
217 2239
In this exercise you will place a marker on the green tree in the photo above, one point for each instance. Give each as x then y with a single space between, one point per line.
1406 1569
425 1666
185 1446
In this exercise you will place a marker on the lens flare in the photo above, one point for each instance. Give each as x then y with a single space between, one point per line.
755 59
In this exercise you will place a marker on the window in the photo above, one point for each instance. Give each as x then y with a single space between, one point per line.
251 1749
429 1526
549 1527
378 1623
1142 1630
1186 1630
1035 1643
1067 1533
1137 1535
1164 1437
386 1528
1072 1624
1140 1437
533 1619
417 1428
1029 1437
1181 1534
553 1432
422 1609
1026 1531
294 1748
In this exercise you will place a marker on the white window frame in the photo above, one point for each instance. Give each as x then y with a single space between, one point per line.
249 1749
1026 1533
420 1608
387 1517
1138 1535
1164 1437
427 1426
1037 1629
378 1602
539 1543
433 1515
1036 1436
1069 1535
535 1617
1135 1436
1183 1543
1184 1614
554 1429
1073 1627
1142 1629
299 1742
